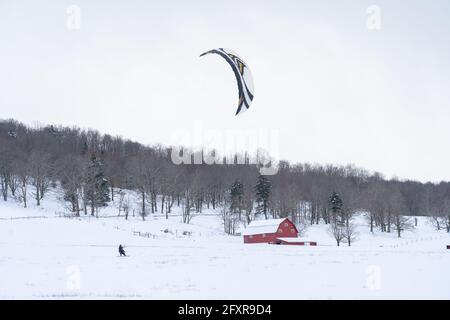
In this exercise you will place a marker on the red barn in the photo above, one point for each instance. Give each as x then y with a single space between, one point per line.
267 231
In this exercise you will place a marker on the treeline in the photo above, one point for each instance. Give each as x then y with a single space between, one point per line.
92 169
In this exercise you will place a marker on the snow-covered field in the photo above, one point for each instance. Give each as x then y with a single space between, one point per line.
57 257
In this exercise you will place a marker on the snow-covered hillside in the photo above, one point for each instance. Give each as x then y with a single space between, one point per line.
47 255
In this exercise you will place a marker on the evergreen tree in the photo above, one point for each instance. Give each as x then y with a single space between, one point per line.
97 186
263 188
336 206
340 227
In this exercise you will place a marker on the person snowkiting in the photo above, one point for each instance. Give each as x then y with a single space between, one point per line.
121 251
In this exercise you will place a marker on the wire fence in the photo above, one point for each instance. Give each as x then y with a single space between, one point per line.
24 218
414 241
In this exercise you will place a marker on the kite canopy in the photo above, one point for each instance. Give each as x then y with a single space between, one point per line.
243 77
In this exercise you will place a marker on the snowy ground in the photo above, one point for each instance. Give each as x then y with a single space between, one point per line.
56 257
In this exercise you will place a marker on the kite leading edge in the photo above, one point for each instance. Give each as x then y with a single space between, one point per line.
243 77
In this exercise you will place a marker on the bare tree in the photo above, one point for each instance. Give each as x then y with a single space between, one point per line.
248 204
126 205
120 203
230 218
72 172
40 172
437 222
187 207
337 231
402 223
23 175
6 161
350 232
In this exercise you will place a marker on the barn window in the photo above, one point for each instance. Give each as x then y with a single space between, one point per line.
286 224
292 230
280 230
264 235
250 236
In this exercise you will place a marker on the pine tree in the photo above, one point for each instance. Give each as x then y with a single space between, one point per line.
336 206
340 227
97 186
263 188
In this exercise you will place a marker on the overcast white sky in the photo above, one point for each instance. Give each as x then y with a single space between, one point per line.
336 91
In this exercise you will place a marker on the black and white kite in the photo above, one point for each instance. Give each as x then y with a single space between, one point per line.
243 77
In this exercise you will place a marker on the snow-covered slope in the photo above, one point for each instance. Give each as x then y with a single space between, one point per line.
57 257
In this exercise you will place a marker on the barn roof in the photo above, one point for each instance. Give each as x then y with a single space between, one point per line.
263 226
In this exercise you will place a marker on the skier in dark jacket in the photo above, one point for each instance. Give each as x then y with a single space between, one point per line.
121 251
